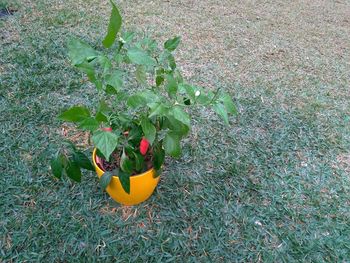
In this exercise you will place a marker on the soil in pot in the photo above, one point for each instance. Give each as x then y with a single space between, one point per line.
115 161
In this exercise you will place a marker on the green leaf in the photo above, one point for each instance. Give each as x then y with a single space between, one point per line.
105 63
187 89
79 51
167 59
75 114
70 145
99 154
171 85
158 158
106 178
178 77
177 126
111 90
148 129
124 180
57 166
171 44
172 144
89 70
211 95
83 161
228 103
100 117
148 44
221 111
142 98
102 112
115 22
125 163
157 173
159 80
103 107
140 57
73 171
157 109
171 61
124 118
128 36
89 124
150 96
115 79
136 101
106 142
139 161
178 113
119 58
129 150
202 98
135 133
141 75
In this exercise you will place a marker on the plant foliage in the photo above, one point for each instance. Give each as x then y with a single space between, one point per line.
158 111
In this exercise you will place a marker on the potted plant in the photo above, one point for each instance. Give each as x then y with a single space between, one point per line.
132 129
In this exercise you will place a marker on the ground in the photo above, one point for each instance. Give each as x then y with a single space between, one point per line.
272 187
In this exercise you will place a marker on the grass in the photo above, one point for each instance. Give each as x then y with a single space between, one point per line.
273 187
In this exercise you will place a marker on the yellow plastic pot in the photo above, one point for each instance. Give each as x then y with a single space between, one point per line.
141 186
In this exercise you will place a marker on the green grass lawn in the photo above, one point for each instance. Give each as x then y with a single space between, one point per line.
272 187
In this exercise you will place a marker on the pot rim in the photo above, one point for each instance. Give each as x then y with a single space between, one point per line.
102 171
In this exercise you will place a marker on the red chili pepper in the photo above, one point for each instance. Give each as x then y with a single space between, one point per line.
108 129
144 144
